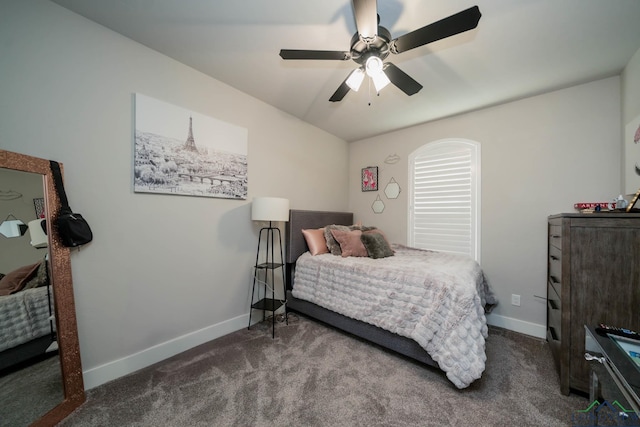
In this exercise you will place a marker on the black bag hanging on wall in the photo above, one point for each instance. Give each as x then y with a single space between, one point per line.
73 229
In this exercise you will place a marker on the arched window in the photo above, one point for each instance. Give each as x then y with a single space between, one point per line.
444 199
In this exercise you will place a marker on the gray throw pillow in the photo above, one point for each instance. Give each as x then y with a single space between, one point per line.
376 245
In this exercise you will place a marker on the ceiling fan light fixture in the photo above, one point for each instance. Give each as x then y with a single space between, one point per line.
380 80
355 79
374 67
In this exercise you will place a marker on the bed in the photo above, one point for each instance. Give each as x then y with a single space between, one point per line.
424 318
26 307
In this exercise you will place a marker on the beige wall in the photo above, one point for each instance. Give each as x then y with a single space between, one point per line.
539 156
163 273
631 89
630 123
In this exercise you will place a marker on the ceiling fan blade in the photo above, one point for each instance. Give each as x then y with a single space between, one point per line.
342 90
366 14
314 54
401 79
447 27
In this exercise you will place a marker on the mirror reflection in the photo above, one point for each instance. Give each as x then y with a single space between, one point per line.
30 372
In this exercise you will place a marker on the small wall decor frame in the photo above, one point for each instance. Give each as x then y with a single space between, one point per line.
38 204
370 178
378 205
392 190
633 201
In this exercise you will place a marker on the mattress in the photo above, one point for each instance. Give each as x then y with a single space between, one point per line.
437 299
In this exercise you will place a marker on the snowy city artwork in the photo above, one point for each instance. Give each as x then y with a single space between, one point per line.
181 152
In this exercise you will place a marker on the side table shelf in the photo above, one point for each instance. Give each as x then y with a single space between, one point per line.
264 274
266 304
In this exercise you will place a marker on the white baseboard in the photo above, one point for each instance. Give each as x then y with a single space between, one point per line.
527 328
110 371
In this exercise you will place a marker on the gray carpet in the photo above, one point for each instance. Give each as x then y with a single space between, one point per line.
312 375
29 393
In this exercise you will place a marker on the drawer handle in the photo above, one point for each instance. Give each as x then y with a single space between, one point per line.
589 356
555 236
553 304
554 279
554 336
553 257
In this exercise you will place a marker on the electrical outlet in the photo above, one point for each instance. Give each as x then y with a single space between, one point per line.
515 299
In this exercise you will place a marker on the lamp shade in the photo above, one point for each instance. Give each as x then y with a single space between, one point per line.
38 236
355 79
270 209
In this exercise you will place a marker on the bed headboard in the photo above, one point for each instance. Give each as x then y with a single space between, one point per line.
299 220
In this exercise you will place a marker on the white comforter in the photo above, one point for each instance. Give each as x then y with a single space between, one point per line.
436 299
24 316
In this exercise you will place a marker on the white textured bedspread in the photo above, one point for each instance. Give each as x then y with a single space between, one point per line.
434 298
24 316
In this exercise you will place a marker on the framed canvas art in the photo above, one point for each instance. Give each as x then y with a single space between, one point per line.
370 178
181 152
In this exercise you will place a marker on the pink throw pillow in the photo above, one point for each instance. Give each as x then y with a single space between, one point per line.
350 243
316 241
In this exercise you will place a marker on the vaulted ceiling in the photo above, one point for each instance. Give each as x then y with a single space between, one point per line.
520 48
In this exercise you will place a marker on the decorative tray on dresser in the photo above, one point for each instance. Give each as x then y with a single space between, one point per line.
593 277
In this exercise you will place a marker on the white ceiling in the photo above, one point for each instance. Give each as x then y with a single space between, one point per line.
520 48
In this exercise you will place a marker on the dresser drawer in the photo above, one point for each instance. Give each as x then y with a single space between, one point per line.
554 313
555 268
554 345
555 236
554 304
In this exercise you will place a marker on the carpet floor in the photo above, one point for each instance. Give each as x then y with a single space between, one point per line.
313 375
30 392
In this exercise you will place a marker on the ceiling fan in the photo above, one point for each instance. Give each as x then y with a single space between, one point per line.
372 43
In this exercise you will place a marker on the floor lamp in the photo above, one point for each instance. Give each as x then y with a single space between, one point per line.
272 209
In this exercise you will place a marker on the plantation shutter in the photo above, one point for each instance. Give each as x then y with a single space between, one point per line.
445 191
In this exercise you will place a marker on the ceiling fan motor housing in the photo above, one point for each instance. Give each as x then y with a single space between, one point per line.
362 49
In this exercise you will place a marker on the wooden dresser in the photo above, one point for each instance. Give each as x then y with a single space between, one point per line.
593 276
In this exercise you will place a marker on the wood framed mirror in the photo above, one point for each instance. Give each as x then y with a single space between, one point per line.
61 284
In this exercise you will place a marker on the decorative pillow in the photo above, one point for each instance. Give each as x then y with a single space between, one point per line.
41 278
376 244
332 243
316 241
14 282
350 243
361 227
377 230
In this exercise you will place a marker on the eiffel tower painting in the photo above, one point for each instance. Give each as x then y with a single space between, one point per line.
190 145
166 163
